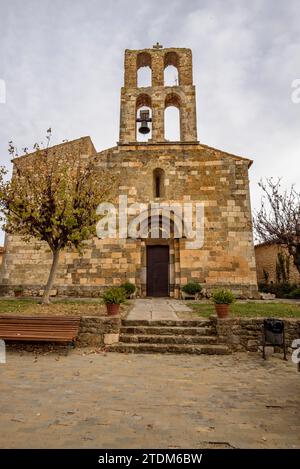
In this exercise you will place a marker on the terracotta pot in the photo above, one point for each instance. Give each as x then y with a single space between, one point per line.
222 310
112 310
18 294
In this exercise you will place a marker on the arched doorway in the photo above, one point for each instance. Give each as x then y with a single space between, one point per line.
159 254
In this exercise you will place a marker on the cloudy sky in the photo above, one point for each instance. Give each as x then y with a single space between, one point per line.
62 64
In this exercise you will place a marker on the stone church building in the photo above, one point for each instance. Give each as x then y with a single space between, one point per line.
156 170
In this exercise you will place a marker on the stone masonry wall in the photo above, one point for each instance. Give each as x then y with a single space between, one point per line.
246 334
103 263
98 331
239 334
193 173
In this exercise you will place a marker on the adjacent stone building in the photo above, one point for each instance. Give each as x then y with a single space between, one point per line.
266 255
156 170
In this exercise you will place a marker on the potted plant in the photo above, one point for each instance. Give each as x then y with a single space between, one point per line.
191 289
129 289
222 299
18 291
113 297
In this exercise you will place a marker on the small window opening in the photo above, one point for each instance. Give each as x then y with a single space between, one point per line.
158 183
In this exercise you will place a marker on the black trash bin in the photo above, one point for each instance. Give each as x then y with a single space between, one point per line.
273 334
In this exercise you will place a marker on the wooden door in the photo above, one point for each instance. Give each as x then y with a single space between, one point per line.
157 270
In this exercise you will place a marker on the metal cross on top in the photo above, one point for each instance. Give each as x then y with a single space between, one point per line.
157 46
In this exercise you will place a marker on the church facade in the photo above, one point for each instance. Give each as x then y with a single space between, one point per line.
157 171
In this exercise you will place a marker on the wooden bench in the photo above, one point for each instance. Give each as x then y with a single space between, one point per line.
39 328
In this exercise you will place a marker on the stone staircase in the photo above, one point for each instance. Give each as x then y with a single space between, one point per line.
169 336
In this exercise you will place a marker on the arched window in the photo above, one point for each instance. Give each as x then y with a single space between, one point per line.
158 183
143 104
171 72
144 72
172 118
171 76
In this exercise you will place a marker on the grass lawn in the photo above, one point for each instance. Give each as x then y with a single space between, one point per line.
69 307
251 310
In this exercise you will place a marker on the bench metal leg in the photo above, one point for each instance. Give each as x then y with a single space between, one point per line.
264 348
284 353
284 347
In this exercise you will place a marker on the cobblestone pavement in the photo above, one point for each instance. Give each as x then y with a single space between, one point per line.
97 400
156 309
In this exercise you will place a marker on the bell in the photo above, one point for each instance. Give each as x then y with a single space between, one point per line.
144 129
144 119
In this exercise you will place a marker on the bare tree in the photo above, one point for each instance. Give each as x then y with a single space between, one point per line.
278 219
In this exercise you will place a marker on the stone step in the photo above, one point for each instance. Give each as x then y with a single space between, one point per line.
168 322
122 347
168 339
165 330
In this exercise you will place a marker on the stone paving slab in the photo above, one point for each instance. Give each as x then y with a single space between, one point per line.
153 309
179 306
97 400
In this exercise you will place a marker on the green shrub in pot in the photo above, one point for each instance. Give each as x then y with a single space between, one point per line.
18 290
129 289
113 297
192 288
222 299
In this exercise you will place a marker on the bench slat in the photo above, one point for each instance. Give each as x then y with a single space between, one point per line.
39 328
44 328
36 320
41 331
21 334
39 339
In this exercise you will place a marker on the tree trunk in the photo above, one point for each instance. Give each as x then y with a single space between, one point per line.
46 297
